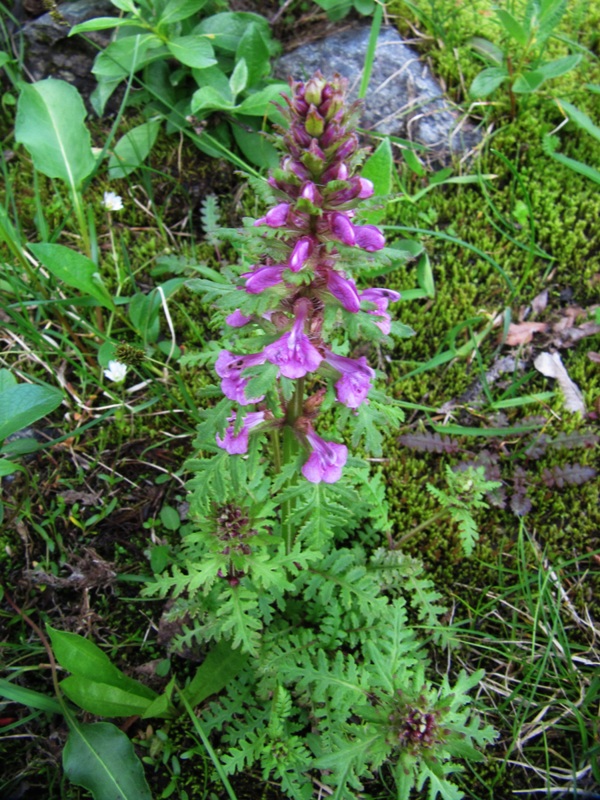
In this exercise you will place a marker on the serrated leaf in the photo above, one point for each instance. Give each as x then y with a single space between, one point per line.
101 758
74 269
569 474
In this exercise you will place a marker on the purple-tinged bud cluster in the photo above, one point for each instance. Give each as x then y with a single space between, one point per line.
317 191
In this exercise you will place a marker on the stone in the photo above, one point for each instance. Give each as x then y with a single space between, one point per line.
403 98
50 53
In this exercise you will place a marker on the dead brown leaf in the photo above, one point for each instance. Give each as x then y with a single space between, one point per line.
522 332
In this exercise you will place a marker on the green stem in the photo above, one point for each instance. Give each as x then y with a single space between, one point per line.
418 528
82 222
290 449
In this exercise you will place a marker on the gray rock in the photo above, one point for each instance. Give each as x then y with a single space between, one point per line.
403 98
51 54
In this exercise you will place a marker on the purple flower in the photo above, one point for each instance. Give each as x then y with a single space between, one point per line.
310 192
276 217
293 353
338 172
369 238
229 367
381 298
237 443
237 319
354 385
344 290
326 461
263 278
301 252
342 228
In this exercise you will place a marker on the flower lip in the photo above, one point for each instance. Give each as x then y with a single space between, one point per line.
294 353
326 461
276 217
355 382
237 443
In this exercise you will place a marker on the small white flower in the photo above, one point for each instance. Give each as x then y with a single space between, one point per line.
116 371
112 201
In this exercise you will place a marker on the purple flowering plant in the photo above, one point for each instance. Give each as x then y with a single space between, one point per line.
297 310
288 570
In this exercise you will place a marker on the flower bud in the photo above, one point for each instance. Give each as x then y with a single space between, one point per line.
313 90
314 122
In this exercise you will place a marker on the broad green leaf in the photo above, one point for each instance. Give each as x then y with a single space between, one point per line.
193 51
177 10
4 58
209 99
364 7
487 49
425 275
102 23
74 269
7 379
101 758
8 467
580 119
24 404
132 149
170 518
528 82
124 56
84 659
488 81
228 28
103 699
260 104
512 27
255 51
379 168
162 707
560 66
125 5
413 162
256 148
50 124
220 666
216 79
239 78
28 697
